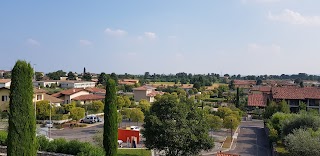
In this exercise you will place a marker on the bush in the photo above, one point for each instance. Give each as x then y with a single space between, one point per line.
43 143
3 138
303 121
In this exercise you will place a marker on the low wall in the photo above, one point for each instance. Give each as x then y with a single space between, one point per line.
3 149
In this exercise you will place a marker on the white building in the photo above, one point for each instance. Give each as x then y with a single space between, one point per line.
77 84
5 83
46 83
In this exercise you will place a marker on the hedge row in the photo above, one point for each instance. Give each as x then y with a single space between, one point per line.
60 145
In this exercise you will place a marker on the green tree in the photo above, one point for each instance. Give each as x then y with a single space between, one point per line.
102 79
144 105
214 122
231 122
137 115
114 76
77 113
259 81
231 85
39 76
302 106
238 98
120 102
270 110
110 132
175 127
284 107
86 77
127 101
303 142
71 76
56 75
43 110
22 121
223 112
97 106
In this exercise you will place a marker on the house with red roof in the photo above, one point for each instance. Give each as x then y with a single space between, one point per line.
293 95
244 83
83 95
145 92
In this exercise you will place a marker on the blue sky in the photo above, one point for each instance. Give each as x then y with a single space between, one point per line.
207 36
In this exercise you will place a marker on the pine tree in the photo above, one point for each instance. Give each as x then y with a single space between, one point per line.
22 123
110 132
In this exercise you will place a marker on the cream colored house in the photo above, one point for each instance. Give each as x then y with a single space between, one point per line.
5 83
68 95
145 92
4 102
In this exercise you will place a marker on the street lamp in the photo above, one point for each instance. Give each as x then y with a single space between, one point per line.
49 126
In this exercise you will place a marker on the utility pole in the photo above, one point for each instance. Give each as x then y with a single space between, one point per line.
50 121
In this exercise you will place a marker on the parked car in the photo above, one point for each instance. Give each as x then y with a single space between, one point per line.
135 128
89 119
48 124
99 119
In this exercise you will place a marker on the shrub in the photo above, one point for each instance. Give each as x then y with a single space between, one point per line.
43 143
303 121
3 138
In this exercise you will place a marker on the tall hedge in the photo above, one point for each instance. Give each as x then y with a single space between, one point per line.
110 132
22 123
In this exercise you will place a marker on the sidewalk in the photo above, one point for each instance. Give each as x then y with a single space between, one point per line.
220 149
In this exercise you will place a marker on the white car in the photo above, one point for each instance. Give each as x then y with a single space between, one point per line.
135 128
49 124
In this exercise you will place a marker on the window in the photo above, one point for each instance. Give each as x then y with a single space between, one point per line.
39 97
5 98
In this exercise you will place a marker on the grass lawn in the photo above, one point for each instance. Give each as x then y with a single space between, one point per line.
133 152
227 142
216 85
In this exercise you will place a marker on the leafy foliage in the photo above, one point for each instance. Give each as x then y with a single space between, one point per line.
77 113
176 127
303 142
22 123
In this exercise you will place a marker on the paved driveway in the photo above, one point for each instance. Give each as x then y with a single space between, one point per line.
252 140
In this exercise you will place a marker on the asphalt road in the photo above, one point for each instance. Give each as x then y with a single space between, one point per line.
85 133
252 140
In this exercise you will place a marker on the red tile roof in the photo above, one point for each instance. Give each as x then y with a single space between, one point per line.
154 93
5 80
68 92
52 99
126 83
39 90
96 90
258 99
144 88
89 97
296 93
261 88
244 82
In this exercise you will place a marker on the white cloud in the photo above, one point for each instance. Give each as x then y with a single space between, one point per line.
85 42
115 32
150 35
263 49
33 42
296 18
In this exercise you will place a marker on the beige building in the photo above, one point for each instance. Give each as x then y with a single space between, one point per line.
4 94
145 92
5 83
68 95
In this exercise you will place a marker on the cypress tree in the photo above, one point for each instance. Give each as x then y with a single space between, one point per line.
110 131
238 98
22 123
